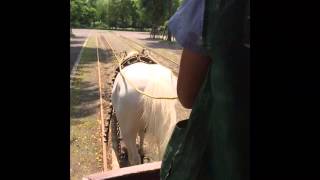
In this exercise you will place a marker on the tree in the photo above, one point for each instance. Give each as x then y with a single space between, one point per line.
113 13
121 13
170 14
153 11
126 7
172 7
82 13
102 10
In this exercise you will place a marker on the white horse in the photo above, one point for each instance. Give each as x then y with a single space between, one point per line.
138 113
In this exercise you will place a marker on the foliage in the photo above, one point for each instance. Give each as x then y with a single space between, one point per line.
120 13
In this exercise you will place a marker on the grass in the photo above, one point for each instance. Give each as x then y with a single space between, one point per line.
85 138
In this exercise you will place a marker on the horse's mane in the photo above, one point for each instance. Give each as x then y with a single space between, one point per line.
160 114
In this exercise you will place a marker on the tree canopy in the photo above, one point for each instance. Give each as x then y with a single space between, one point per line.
121 13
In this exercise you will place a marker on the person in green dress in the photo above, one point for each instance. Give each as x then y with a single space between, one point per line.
213 80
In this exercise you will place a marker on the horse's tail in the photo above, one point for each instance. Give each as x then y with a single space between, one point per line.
160 114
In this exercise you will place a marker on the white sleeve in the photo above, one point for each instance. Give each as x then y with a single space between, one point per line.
187 23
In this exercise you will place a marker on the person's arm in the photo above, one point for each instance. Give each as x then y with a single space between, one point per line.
193 69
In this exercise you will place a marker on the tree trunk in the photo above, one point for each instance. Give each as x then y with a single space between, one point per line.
170 14
169 35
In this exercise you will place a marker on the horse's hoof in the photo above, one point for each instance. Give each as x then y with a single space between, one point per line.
146 159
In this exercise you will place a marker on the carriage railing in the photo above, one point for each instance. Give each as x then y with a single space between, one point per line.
149 171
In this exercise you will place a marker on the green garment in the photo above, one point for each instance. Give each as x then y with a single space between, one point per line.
214 142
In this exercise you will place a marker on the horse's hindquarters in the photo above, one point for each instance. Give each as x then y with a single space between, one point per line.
134 110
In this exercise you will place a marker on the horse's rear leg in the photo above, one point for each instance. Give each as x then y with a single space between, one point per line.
133 154
141 135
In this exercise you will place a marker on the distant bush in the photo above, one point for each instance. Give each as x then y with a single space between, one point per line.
99 25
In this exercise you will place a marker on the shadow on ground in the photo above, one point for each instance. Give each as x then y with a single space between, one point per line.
160 43
85 92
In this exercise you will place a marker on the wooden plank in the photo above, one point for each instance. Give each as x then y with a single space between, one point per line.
149 171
